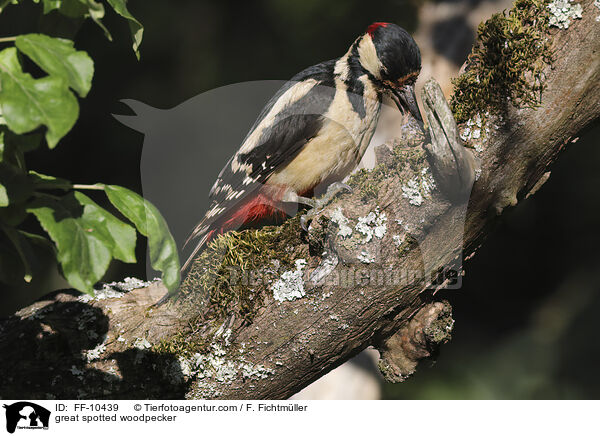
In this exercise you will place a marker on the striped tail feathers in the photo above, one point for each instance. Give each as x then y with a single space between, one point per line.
221 219
207 236
205 231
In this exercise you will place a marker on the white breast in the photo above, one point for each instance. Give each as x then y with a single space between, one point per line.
339 145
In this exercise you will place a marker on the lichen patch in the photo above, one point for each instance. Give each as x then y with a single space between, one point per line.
419 188
91 355
374 224
290 286
216 366
342 222
142 344
115 289
398 240
365 257
562 12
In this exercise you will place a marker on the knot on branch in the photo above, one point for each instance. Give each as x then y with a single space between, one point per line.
429 328
453 165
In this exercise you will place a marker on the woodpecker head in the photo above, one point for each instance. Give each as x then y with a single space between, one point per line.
393 62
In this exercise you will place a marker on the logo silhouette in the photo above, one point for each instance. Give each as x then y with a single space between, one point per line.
26 415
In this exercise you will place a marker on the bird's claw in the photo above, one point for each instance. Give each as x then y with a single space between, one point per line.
318 204
304 221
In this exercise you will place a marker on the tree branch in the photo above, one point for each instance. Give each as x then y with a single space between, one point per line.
234 334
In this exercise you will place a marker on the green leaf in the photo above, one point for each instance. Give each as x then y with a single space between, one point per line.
23 249
13 214
96 12
86 236
150 223
42 181
28 103
50 5
2 147
3 196
57 57
12 147
118 236
14 185
5 3
79 9
21 255
24 143
135 27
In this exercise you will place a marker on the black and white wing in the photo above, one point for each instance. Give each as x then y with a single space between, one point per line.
292 117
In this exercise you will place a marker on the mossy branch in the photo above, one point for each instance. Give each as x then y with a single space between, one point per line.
228 336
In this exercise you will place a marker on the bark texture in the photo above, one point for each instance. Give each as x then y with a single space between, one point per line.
122 347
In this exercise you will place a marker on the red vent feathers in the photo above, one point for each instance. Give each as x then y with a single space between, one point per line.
373 27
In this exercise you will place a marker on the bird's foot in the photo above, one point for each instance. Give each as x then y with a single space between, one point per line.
317 204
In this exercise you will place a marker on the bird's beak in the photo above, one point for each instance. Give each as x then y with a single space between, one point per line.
406 101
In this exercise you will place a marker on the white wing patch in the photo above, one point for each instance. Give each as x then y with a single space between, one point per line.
292 95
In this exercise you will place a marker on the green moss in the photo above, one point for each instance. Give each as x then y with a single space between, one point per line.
412 159
507 61
233 271
407 244
369 181
183 343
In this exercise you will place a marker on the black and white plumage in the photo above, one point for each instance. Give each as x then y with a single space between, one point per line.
314 131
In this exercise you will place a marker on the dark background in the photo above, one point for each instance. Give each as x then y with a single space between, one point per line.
526 315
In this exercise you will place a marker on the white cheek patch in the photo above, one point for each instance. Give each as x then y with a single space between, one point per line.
368 56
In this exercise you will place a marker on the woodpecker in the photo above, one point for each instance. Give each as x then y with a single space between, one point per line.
313 132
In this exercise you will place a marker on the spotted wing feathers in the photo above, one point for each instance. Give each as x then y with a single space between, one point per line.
289 120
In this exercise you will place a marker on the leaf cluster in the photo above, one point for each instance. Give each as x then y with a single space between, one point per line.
84 236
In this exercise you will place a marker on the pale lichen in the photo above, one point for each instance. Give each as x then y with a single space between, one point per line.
255 372
365 257
374 224
215 365
142 344
398 240
562 12
476 131
342 222
115 289
75 371
597 4
419 188
91 355
290 286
